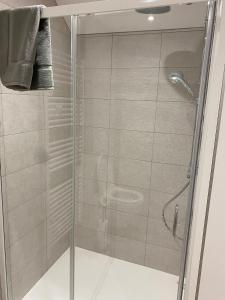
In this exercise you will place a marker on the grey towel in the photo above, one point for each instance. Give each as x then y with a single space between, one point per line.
25 49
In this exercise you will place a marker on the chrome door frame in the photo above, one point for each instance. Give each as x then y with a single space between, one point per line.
210 23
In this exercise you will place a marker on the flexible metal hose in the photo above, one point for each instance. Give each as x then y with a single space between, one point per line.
167 204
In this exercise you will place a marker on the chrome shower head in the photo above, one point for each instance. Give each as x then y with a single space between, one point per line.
178 78
154 10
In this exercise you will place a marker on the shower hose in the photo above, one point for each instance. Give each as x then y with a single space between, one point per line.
167 204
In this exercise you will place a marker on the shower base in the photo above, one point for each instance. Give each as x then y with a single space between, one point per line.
100 277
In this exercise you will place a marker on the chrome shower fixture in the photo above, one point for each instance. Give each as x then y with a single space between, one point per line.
154 10
178 78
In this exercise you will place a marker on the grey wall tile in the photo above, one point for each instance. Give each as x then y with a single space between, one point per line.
24 150
126 249
128 199
129 172
136 50
125 225
92 192
134 84
95 140
24 279
93 167
24 250
26 217
97 83
168 91
175 117
91 216
172 148
22 113
164 259
133 115
131 144
90 239
94 113
94 51
168 178
182 49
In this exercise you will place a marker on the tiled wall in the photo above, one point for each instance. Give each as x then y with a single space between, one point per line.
36 161
134 136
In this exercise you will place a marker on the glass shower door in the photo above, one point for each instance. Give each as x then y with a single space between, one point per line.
137 87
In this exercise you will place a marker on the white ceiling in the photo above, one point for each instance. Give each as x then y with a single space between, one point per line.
180 16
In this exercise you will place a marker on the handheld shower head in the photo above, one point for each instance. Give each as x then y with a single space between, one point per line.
178 78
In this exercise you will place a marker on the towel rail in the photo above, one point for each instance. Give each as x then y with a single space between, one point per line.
99 7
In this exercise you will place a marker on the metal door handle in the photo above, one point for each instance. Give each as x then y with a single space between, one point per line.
175 220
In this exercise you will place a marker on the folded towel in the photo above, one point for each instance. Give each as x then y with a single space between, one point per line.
43 74
25 49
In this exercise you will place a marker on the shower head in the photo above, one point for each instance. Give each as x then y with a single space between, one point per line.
178 78
154 10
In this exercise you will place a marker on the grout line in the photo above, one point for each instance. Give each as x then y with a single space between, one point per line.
39 225
142 68
128 186
125 212
164 247
107 234
134 159
155 119
25 168
144 32
160 100
30 230
34 198
27 132
135 130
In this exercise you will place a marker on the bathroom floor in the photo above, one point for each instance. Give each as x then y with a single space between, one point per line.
99 277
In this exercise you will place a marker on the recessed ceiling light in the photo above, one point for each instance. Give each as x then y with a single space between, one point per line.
151 18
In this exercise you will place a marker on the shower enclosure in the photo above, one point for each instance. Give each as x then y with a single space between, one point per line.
98 175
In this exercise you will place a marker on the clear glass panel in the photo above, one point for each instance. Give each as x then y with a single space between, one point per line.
138 80
37 177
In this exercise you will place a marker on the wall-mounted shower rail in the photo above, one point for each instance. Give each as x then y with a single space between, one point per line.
106 6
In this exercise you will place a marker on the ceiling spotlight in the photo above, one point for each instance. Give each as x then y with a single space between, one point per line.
151 18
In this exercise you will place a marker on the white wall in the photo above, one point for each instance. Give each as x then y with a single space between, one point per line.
213 267
210 121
